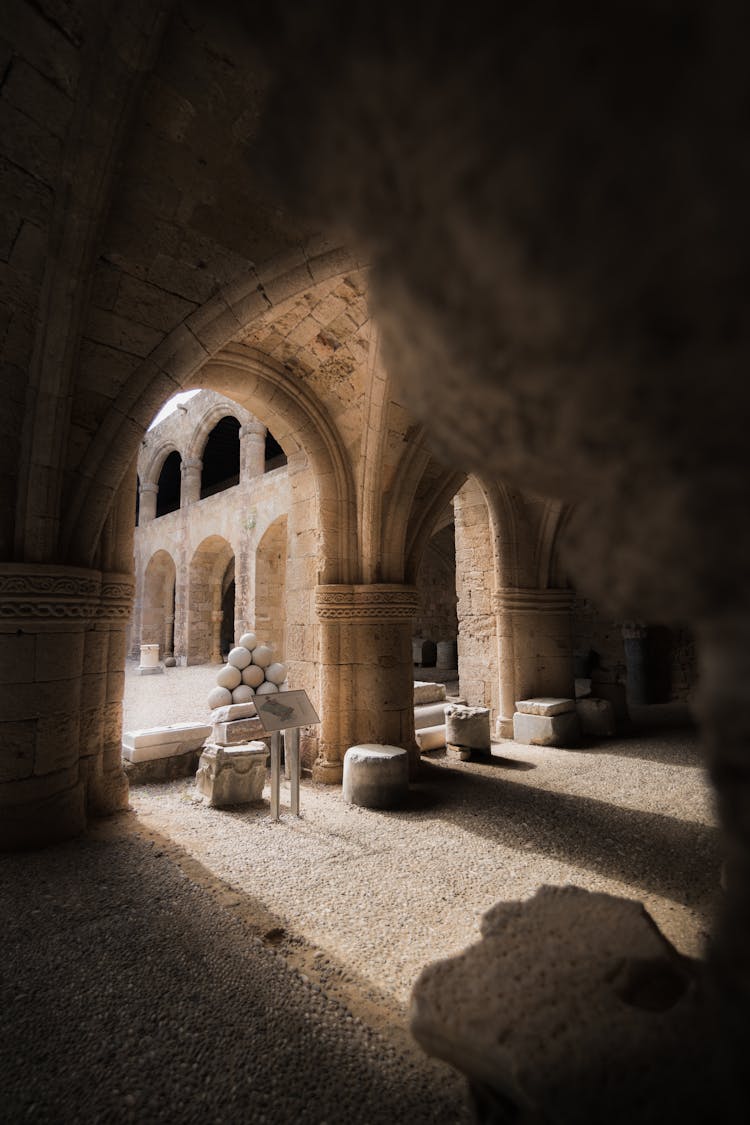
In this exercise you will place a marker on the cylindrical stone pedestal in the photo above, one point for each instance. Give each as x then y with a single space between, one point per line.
366 673
149 664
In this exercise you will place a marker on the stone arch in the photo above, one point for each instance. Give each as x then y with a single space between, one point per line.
157 615
304 430
205 589
270 585
176 364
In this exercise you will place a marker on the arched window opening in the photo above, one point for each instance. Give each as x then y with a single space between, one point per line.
168 496
221 458
436 623
275 455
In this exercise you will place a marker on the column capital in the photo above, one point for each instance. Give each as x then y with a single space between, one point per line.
189 463
253 429
366 604
148 486
521 599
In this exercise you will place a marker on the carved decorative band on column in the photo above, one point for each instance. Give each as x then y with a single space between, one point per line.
118 593
369 604
47 593
148 487
34 592
518 600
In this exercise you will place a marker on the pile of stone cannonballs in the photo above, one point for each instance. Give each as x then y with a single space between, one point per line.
250 670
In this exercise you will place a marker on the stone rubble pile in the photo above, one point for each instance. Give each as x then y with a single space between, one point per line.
250 670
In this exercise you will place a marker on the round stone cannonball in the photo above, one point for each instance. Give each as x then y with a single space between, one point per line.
266 689
248 641
219 697
262 656
242 694
239 657
229 677
276 673
252 675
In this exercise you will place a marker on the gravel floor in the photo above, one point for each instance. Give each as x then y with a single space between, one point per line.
183 964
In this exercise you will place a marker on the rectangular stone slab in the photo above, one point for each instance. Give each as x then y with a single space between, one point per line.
163 742
232 712
240 730
425 692
547 730
545 705
429 715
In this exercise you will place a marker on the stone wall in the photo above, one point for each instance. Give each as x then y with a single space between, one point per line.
436 618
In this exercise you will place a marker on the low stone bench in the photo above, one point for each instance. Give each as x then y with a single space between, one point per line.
163 753
376 776
546 721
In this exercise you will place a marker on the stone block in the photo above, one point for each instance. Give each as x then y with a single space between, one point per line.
232 775
597 970
429 715
162 769
375 776
545 705
428 693
234 711
430 738
238 731
163 742
596 716
467 728
547 730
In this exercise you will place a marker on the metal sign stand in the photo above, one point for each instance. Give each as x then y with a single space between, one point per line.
286 711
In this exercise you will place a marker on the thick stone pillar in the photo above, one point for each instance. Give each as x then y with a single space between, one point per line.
535 644
190 487
366 674
147 503
252 450
59 674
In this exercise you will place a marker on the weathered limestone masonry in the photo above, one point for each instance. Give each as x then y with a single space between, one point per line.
186 558
62 640
365 671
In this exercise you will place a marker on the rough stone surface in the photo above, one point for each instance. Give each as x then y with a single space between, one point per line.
430 738
545 706
242 694
252 676
425 692
237 731
547 730
536 1024
229 677
239 657
162 769
467 727
220 697
233 711
232 775
429 714
596 716
375 776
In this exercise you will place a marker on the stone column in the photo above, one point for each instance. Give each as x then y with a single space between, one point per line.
366 675
190 487
217 616
634 643
55 663
147 503
252 450
535 643
107 790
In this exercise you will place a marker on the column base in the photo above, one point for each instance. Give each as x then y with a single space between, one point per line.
39 823
108 793
328 773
